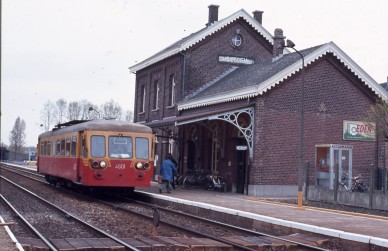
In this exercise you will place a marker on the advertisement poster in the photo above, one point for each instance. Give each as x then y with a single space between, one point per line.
359 130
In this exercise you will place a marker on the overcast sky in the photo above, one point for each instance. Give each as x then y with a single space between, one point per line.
81 49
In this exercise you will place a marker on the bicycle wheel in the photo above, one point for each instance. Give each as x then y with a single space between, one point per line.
179 181
342 187
186 184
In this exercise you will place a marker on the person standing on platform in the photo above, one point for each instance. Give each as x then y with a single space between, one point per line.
174 174
167 170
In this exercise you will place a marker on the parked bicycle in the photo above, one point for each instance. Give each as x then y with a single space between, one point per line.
214 182
356 184
201 178
193 178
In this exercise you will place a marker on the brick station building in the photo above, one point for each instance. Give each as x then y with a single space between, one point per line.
227 99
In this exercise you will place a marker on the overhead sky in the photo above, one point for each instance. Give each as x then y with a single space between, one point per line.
81 49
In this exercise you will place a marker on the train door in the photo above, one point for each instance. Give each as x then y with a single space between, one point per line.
82 153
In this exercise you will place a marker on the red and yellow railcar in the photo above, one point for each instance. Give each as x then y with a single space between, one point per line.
95 154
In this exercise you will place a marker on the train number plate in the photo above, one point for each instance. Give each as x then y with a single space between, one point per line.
120 166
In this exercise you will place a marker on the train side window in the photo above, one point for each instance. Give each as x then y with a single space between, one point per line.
58 147
62 147
73 146
48 148
54 148
41 149
44 148
142 149
97 146
67 147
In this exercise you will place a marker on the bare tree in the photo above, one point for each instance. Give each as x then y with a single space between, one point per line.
48 115
379 115
74 110
18 135
61 106
111 110
85 112
129 116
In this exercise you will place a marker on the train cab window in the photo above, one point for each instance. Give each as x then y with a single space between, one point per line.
73 146
120 147
62 147
97 146
67 147
142 149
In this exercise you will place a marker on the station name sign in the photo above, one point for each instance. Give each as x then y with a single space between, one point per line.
241 148
235 60
359 130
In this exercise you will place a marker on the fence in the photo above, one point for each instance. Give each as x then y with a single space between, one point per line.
375 198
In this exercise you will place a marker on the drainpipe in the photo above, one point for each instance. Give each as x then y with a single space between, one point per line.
183 75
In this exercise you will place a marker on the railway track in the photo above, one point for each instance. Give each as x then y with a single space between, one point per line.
209 228
214 230
55 218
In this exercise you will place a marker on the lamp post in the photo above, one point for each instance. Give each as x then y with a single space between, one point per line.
92 109
291 45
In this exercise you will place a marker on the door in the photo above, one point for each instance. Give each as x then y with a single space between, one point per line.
241 167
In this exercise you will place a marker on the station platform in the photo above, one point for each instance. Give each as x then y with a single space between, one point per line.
361 228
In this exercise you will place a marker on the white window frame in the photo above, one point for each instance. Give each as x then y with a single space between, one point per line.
143 99
172 84
156 100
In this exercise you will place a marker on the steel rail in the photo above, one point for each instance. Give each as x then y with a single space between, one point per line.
23 174
69 215
236 245
212 222
32 228
232 226
20 169
209 221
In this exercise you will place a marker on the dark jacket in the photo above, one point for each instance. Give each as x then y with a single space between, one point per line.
167 170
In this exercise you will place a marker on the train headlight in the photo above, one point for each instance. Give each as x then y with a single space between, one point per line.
142 166
103 164
95 164
146 166
139 165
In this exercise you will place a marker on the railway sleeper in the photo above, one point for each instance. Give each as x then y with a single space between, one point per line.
173 243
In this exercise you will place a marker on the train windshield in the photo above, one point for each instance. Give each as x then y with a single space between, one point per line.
120 147
97 146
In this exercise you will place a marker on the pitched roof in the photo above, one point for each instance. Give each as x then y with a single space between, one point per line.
254 80
191 40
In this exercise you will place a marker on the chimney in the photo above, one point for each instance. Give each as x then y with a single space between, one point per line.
213 14
278 42
258 16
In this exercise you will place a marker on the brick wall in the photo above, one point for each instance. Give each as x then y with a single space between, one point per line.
160 72
201 66
202 60
332 95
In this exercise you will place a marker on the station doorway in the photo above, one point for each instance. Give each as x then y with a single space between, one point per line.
241 161
333 161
